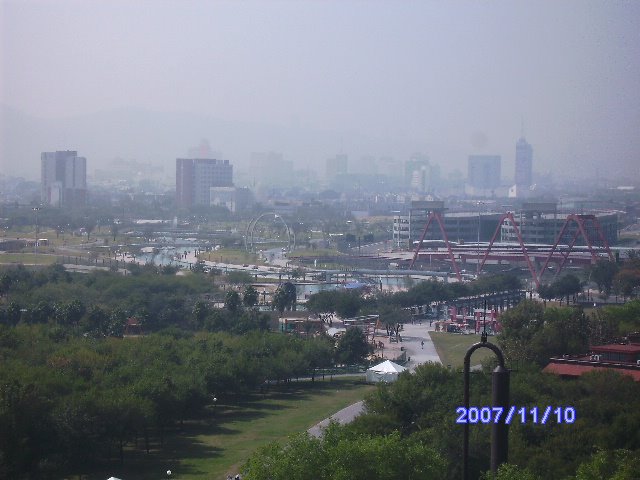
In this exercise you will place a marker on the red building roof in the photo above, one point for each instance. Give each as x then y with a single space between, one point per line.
616 348
575 369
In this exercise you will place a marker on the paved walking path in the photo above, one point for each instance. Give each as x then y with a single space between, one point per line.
345 415
412 337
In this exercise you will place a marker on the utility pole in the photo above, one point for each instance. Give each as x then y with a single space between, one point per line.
35 245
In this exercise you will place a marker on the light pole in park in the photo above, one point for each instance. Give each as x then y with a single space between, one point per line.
35 245
478 244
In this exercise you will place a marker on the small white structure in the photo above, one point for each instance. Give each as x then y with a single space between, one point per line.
386 371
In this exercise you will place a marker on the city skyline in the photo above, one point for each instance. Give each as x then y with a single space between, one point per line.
447 79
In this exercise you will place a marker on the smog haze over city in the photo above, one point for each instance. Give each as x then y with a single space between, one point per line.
147 80
263 238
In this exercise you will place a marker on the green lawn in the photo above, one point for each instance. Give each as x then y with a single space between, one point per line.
452 347
232 255
27 258
314 252
216 446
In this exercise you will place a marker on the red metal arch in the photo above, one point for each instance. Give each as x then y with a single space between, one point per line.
581 221
509 216
438 218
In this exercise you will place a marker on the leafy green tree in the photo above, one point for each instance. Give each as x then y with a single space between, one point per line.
352 347
200 312
392 317
232 301
546 292
40 312
319 353
496 283
626 281
610 465
603 273
567 286
239 278
508 471
168 269
97 319
321 302
5 284
348 303
342 455
250 296
13 313
565 331
285 297
89 225
519 327
69 313
198 267
114 230
117 321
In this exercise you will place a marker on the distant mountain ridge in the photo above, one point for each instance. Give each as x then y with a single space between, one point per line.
161 137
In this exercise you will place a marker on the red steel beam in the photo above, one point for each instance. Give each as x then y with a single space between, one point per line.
438 218
509 216
580 222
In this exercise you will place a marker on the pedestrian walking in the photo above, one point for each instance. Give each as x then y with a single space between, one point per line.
422 344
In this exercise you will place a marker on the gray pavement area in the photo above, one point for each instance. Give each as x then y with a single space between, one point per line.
412 337
345 415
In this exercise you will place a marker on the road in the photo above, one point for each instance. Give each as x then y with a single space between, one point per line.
412 337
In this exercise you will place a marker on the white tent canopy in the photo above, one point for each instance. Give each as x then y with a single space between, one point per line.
386 371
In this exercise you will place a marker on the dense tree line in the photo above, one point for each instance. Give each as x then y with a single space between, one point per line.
532 333
73 393
603 443
69 402
98 304
351 302
621 278
564 287
414 420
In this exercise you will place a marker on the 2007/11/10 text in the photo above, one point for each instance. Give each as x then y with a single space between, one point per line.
534 415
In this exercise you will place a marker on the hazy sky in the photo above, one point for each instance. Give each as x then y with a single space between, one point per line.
456 76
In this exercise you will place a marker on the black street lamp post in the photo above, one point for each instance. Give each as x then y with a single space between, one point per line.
500 398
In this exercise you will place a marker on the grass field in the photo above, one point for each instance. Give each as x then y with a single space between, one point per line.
315 253
452 347
26 259
230 255
214 447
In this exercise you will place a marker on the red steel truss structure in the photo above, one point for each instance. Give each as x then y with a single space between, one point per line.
438 217
509 216
584 223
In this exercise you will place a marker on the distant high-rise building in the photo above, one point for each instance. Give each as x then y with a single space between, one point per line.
63 179
390 167
337 165
235 199
524 166
195 177
270 168
417 163
484 172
